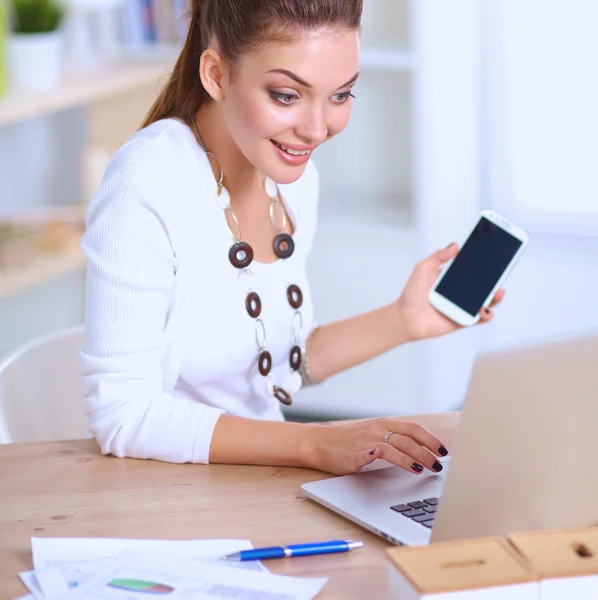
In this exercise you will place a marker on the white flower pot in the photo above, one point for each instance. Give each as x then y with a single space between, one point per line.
35 60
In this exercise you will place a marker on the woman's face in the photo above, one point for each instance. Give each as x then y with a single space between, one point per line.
284 100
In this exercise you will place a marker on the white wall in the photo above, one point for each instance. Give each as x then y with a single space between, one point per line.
540 92
543 90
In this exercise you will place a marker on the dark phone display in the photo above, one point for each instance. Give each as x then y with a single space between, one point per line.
478 266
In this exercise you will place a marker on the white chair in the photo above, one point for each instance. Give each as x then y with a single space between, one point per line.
41 390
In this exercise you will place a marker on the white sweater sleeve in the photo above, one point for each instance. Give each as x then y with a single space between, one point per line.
130 281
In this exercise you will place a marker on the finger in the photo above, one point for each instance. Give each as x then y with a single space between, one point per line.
498 298
435 261
441 256
418 433
418 453
486 315
399 459
367 457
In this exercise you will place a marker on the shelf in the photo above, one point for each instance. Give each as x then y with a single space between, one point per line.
47 267
386 60
42 266
78 89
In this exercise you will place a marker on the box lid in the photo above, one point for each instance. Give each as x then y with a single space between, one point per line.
562 553
461 565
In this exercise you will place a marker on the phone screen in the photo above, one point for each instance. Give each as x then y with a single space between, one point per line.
478 266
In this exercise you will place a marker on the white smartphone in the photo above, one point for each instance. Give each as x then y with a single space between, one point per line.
470 281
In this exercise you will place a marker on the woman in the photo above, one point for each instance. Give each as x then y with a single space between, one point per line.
199 318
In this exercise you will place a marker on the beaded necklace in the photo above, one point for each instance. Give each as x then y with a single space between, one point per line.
241 256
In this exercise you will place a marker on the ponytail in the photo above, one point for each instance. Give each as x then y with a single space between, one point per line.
184 92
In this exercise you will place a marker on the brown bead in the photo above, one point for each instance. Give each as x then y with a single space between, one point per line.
295 358
265 361
282 396
283 245
240 255
295 296
253 304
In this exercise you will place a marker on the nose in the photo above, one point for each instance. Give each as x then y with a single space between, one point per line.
314 126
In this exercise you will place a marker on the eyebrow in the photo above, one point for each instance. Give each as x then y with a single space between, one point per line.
301 81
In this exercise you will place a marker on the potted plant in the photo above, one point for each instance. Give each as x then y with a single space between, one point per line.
35 44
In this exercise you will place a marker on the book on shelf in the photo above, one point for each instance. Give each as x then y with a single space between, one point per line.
3 40
151 23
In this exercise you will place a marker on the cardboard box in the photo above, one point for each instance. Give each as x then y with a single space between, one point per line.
477 569
566 561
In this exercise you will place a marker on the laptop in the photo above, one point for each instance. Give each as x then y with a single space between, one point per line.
524 458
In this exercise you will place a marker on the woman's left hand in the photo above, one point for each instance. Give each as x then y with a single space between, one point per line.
420 319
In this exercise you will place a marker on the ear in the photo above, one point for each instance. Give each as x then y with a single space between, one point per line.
213 72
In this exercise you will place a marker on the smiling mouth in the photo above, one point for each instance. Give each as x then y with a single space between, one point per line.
292 152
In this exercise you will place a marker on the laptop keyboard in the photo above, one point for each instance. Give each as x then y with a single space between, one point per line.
422 511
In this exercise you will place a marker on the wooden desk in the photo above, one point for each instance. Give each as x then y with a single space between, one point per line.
69 489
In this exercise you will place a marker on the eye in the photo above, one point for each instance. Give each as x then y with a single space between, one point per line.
343 97
286 99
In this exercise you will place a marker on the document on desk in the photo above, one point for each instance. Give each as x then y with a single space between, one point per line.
132 573
62 564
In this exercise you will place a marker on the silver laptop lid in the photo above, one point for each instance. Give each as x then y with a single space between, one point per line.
525 455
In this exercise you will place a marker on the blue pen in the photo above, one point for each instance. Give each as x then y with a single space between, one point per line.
295 550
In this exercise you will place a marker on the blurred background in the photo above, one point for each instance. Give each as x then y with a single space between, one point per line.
461 105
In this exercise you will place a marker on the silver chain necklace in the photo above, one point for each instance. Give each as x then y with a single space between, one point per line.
241 256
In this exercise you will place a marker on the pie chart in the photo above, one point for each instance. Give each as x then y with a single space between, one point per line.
138 585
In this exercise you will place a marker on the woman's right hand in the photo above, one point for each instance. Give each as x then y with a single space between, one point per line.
347 447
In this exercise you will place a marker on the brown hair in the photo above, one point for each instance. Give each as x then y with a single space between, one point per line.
240 26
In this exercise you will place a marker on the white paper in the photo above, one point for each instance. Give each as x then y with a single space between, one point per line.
176 580
30 583
78 559
45 584
49 551
51 582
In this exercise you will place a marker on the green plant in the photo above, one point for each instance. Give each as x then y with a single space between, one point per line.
36 16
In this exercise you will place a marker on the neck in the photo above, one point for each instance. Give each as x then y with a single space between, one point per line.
239 174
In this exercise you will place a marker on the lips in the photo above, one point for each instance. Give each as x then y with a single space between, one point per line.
293 157
293 151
